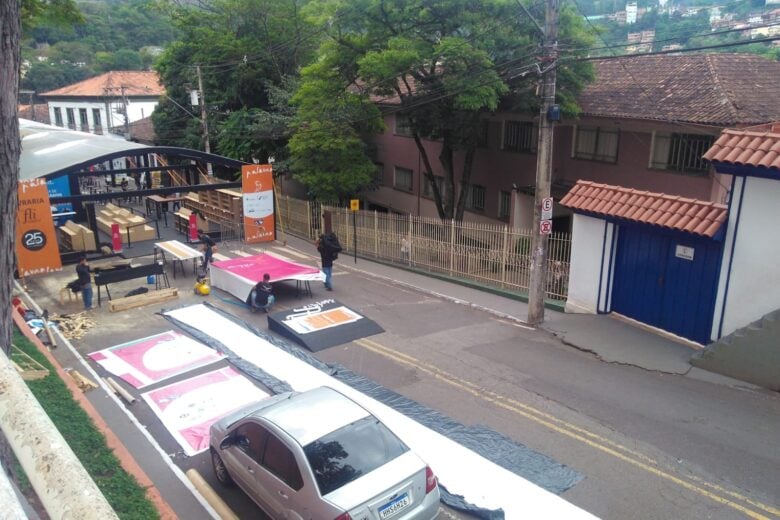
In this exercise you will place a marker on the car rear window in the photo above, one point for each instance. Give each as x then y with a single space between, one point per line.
352 451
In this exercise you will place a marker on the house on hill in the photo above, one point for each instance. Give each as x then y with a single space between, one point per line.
645 124
104 103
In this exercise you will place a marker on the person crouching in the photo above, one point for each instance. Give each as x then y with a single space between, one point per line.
262 296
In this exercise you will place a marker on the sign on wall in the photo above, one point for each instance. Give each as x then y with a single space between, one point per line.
60 187
257 184
36 243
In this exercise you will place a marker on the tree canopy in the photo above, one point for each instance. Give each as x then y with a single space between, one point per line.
249 53
443 65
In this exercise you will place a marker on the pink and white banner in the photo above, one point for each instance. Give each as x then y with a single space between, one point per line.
189 408
148 360
238 275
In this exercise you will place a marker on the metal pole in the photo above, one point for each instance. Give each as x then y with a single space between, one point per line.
354 232
203 122
538 283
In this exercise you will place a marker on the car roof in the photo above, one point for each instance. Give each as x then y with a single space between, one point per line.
309 415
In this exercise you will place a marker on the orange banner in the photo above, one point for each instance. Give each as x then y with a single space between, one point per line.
257 183
36 244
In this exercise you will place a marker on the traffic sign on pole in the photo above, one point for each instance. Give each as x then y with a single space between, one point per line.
547 208
545 227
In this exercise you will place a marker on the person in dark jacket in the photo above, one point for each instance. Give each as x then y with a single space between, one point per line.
85 281
327 255
262 295
208 248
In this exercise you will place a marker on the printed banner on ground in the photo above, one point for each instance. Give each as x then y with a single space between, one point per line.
189 408
322 324
148 360
257 185
36 242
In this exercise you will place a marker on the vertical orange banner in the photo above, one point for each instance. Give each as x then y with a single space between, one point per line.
257 184
36 244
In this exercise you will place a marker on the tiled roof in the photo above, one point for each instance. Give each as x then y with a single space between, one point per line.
757 146
116 83
722 89
669 211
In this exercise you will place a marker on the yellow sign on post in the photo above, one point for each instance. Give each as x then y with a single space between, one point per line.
354 204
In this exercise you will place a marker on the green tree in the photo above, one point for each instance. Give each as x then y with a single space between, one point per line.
443 64
245 50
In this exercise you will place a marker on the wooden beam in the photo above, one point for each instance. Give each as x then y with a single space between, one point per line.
139 300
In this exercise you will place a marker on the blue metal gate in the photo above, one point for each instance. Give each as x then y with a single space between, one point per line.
667 280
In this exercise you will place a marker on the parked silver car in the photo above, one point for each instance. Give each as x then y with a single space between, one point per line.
319 455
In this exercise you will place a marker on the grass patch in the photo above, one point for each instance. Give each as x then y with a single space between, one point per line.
121 490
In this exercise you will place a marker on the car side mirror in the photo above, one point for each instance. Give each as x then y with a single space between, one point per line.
227 442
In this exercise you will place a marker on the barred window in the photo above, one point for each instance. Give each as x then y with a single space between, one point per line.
504 204
476 197
71 115
403 179
96 118
596 143
84 122
681 152
428 187
403 125
520 136
58 116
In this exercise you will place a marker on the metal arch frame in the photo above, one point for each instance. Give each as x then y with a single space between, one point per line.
187 153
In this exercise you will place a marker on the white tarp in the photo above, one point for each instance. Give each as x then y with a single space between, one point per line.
462 471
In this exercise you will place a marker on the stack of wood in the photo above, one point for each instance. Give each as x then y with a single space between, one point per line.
81 381
73 326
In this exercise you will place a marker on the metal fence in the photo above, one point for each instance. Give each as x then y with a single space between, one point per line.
488 254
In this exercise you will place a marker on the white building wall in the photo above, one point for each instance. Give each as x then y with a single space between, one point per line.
591 265
753 273
135 110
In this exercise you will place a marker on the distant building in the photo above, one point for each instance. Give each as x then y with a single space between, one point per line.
110 101
631 10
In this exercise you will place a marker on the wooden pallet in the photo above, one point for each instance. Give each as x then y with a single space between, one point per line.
139 300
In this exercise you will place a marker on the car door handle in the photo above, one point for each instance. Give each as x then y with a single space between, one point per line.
283 495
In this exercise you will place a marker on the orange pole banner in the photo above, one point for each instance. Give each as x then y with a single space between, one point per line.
36 244
257 184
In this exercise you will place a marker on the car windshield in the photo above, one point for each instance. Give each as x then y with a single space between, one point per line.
352 451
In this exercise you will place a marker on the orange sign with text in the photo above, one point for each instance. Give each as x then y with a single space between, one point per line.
257 184
36 244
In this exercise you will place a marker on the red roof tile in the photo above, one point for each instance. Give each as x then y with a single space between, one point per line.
115 83
756 146
669 211
724 89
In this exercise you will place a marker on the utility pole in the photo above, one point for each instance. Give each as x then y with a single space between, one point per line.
547 116
124 113
203 121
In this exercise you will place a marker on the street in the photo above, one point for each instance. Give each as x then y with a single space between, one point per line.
648 444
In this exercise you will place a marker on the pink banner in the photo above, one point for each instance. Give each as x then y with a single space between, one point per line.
149 360
189 408
253 268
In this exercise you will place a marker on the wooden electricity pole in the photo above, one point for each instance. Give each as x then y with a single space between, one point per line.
203 122
547 117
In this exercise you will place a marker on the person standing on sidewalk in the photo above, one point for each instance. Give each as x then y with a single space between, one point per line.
85 281
208 248
329 247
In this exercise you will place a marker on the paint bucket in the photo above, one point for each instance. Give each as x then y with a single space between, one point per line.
150 279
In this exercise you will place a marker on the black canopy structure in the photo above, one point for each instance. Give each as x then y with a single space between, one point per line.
55 153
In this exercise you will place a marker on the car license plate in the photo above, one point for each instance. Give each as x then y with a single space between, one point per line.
391 508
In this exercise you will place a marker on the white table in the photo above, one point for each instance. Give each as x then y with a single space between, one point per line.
178 252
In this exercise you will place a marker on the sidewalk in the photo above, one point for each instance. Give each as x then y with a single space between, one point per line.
610 339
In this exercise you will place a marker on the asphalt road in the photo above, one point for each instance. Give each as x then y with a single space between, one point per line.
649 444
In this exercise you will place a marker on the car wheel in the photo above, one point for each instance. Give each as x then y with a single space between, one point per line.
220 471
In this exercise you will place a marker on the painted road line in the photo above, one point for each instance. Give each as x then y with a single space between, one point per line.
240 253
220 257
591 439
293 252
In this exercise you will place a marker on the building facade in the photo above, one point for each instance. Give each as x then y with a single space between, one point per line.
105 103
